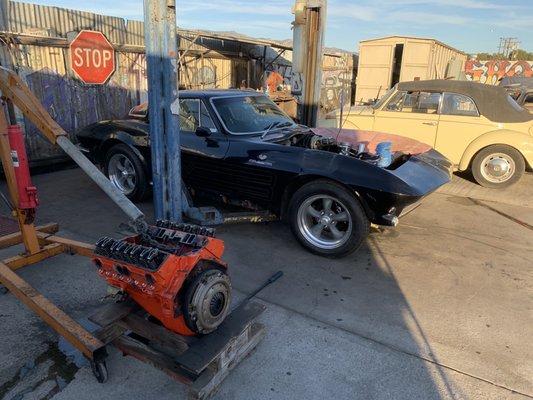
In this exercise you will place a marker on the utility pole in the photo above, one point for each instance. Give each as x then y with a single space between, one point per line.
308 48
161 56
508 45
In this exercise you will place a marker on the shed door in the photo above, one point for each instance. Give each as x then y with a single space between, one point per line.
375 70
416 60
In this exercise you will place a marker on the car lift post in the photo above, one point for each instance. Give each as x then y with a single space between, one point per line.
171 198
162 55
308 41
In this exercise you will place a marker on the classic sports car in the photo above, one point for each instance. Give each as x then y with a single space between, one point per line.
240 147
478 127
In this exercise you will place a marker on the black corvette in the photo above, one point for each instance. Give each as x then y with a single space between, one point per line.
240 147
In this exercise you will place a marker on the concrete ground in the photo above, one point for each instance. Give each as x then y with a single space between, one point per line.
463 185
439 308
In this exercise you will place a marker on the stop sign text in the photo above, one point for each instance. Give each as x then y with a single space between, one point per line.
92 57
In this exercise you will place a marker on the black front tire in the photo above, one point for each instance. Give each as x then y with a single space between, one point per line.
141 190
359 220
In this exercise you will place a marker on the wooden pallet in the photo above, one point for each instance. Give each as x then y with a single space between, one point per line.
200 363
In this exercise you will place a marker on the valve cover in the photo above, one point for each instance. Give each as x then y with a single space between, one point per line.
173 271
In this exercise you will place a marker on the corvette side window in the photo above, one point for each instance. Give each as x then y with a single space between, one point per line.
458 104
193 113
189 115
205 118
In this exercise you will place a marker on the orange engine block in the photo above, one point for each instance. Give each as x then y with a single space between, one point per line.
173 271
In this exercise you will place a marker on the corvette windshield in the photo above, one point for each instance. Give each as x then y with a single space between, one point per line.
250 114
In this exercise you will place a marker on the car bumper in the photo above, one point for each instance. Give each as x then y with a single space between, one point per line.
421 175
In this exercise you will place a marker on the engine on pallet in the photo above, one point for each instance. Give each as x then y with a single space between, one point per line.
173 271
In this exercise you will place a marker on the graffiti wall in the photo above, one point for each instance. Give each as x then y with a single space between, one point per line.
337 80
336 89
490 72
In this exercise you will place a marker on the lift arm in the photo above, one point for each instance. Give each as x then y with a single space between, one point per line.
21 96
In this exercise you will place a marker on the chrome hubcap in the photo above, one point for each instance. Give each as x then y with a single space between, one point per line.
498 167
324 221
122 173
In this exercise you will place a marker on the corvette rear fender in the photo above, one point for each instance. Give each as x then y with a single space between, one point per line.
120 137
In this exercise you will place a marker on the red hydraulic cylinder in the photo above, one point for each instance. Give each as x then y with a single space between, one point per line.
27 193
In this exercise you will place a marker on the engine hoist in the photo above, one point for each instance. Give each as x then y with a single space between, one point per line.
174 289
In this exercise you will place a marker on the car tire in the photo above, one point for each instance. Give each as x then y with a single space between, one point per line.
327 219
125 170
498 166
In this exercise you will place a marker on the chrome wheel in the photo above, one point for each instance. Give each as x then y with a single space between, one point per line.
324 221
498 167
122 173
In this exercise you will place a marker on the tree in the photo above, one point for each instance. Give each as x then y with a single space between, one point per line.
490 56
522 55
515 55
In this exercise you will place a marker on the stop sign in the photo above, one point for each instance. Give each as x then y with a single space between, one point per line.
92 57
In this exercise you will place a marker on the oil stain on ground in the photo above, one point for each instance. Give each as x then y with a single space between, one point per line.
57 370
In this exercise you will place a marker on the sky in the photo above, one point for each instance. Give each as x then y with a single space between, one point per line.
472 26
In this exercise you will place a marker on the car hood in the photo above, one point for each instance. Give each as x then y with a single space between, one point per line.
372 139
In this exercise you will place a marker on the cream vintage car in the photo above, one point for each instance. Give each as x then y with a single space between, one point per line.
478 127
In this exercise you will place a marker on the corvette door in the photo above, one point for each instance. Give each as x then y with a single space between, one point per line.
202 156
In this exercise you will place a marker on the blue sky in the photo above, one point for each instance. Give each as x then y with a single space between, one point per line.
469 25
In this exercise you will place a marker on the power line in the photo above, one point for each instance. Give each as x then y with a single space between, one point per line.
508 45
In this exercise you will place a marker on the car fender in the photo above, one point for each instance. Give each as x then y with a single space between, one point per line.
124 138
522 142
302 179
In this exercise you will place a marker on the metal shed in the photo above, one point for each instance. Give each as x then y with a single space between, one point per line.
383 62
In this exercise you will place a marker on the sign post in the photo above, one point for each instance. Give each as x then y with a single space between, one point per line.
92 57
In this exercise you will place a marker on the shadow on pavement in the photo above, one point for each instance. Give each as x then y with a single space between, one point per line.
359 294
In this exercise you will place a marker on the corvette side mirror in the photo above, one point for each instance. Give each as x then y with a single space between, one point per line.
202 131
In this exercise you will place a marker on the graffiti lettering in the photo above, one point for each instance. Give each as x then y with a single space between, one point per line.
336 89
336 82
490 72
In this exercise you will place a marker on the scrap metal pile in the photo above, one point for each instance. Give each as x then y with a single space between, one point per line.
173 271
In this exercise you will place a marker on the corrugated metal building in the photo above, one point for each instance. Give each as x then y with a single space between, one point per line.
383 62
